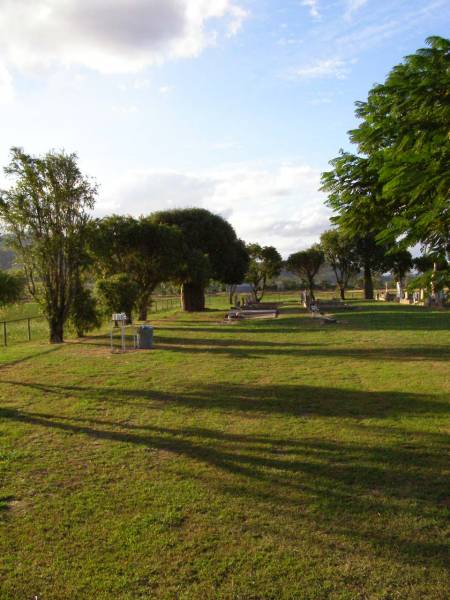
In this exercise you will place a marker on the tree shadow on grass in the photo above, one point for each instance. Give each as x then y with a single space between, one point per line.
396 317
236 347
351 485
5 502
295 400
18 361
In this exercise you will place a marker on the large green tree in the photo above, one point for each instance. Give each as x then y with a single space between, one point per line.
211 250
265 264
355 194
46 213
405 130
147 251
306 265
340 253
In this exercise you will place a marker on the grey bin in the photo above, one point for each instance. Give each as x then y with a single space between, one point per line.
145 339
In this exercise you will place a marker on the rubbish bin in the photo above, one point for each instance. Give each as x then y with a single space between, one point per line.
145 338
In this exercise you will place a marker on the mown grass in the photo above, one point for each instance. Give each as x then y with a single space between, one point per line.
260 460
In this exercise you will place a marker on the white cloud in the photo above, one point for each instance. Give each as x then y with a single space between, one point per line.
111 35
6 86
313 6
165 89
125 109
326 67
386 22
141 84
277 205
352 6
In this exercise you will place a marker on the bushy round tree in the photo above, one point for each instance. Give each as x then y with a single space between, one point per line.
11 287
211 250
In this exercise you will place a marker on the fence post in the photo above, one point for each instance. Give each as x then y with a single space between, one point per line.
29 330
5 337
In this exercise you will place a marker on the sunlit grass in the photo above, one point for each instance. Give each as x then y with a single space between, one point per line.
265 459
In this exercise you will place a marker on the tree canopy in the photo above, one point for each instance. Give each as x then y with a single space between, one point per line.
306 265
340 253
147 251
396 191
211 250
265 264
46 213
405 130
11 287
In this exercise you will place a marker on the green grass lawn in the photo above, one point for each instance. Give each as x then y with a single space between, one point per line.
258 460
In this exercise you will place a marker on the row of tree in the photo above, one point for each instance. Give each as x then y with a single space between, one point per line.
390 195
63 250
46 214
393 193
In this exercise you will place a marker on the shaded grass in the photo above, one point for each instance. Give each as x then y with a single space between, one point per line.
268 459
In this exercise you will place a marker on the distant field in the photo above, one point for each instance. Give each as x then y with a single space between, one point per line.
259 460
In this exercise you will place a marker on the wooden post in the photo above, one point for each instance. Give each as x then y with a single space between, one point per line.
5 337
29 329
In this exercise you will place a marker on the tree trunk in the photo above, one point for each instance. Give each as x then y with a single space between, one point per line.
143 307
311 290
342 292
368 283
56 331
433 281
192 297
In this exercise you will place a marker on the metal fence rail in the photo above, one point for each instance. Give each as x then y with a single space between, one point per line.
26 329
21 330
160 304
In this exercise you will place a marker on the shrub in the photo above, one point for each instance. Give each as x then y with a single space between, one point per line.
118 293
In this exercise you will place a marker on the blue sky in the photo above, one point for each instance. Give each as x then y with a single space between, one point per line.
233 105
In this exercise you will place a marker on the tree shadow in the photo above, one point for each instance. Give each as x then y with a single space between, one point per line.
18 361
237 347
295 400
5 503
349 483
377 316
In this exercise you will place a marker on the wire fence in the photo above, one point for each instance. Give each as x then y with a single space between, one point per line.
23 330
34 328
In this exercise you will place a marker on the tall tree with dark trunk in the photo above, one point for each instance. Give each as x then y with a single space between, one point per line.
404 127
306 265
265 264
46 213
147 251
340 253
354 193
211 251
397 190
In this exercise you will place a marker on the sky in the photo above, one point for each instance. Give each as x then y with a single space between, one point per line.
236 106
